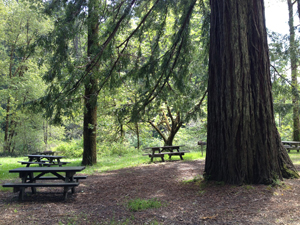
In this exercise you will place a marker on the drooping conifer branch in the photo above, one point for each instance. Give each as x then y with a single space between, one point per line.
96 59
177 45
126 42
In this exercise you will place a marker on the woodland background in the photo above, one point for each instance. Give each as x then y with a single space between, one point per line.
25 63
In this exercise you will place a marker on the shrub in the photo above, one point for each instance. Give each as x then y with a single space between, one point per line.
115 148
72 149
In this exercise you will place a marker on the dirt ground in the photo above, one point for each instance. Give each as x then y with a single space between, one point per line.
102 199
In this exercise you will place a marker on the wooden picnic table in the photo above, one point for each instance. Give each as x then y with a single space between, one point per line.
28 178
165 150
44 160
44 153
291 145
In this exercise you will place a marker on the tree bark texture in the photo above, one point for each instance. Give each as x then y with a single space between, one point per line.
294 68
91 87
243 144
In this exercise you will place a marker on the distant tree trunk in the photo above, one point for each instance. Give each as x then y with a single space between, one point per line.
6 144
294 68
122 132
90 111
45 128
298 6
137 130
243 144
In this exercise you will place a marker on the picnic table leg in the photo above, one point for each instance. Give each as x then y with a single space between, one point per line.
152 156
33 189
22 189
170 156
180 154
58 162
21 193
66 192
70 178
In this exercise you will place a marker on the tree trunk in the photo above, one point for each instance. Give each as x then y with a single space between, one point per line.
90 112
90 128
45 129
6 147
169 141
172 129
137 131
294 67
243 144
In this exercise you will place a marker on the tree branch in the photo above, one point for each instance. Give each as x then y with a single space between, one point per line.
196 107
158 130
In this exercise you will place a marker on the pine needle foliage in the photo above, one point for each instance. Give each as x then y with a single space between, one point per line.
148 42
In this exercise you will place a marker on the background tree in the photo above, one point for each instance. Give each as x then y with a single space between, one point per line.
19 72
243 144
294 72
120 23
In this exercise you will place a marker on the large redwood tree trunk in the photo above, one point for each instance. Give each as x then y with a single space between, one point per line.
243 144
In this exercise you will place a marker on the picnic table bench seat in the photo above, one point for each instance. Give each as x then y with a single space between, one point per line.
18 186
56 178
165 153
291 147
43 163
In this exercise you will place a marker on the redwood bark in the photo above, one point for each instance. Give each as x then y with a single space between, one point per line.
243 144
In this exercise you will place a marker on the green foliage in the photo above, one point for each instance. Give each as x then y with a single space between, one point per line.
143 204
281 51
72 149
116 149
21 24
191 133
285 131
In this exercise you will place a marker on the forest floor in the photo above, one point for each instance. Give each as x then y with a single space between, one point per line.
103 199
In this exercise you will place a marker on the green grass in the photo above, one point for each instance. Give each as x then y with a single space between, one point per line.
295 157
142 204
109 163
106 163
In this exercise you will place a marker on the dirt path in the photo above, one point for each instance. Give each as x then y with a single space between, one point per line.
102 198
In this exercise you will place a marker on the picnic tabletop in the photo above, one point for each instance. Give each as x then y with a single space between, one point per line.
48 169
38 159
291 145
